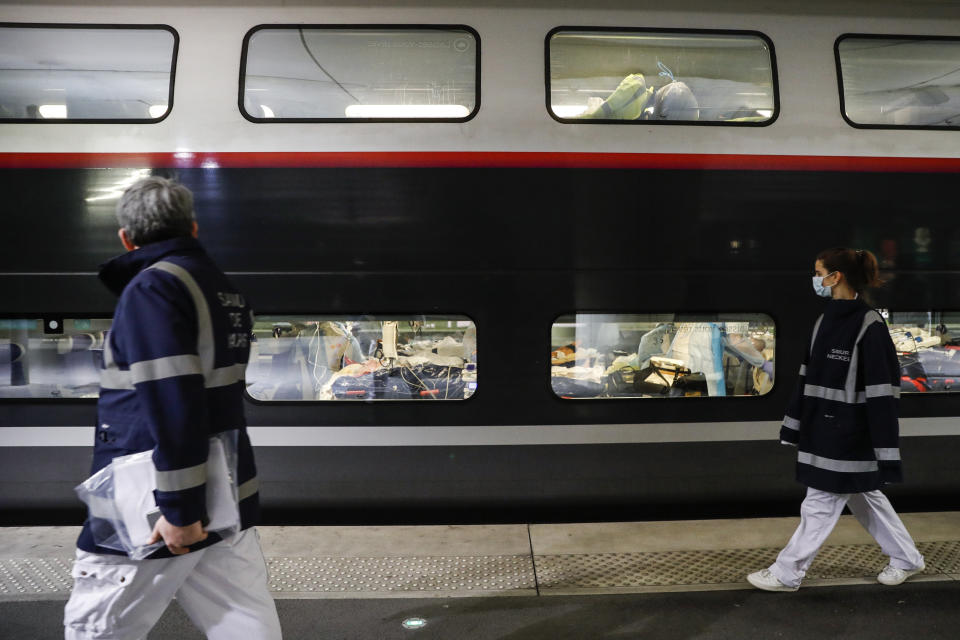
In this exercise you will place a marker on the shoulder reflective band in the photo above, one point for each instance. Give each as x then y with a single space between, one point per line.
841 466
816 329
224 376
791 423
168 367
887 454
851 383
205 344
803 369
180 479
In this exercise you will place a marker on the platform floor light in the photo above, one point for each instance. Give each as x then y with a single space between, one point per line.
407 111
51 111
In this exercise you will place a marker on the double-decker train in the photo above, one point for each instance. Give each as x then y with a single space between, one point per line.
584 296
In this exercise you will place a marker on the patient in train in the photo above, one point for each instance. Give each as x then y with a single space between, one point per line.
633 99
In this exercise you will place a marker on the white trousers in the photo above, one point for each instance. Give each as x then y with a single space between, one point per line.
820 512
223 588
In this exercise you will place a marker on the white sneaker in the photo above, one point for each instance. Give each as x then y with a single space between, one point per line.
891 576
765 580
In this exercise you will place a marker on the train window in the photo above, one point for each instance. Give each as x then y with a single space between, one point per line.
363 358
928 347
86 73
899 81
345 73
661 355
51 357
650 76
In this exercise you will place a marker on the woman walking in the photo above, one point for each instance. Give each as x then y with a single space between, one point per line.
843 421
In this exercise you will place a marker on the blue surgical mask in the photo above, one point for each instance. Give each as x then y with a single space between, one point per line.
820 288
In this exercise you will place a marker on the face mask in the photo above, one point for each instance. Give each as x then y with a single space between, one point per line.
819 287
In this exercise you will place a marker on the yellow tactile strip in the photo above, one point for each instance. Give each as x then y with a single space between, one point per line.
669 568
509 574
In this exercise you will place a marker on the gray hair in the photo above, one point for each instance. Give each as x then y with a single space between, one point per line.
156 209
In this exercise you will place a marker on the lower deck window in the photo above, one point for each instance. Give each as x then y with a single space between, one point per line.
51 357
661 355
928 348
310 358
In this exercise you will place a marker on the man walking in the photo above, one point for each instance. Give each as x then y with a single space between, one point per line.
172 377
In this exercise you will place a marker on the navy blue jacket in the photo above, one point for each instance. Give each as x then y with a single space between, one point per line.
843 415
173 376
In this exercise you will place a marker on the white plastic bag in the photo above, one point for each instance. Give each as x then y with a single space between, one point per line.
121 503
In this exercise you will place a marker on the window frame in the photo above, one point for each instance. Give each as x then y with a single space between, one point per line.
774 77
361 403
77 25
842 95
774 386
346 27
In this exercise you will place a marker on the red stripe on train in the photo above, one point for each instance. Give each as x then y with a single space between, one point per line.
519 159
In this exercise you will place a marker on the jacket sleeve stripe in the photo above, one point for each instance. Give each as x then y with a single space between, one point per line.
225 376
881 390
115 379
180 479
248 488
841 466
791 423
887 454
169 367
205 344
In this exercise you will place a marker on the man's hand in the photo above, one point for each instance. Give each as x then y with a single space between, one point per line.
177 538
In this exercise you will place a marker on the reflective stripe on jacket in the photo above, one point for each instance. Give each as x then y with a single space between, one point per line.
843 414
172 376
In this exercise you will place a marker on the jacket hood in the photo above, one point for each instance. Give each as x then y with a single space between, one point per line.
118 272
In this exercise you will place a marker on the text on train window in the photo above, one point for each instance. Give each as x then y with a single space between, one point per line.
633 75
928 348
313 357
890 81
69 73
51 357
661 355
299 73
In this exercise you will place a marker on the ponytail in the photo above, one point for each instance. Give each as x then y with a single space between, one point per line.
858 266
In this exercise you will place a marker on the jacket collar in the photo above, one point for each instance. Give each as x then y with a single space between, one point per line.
118 272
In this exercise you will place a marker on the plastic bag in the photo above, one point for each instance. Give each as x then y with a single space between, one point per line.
121 505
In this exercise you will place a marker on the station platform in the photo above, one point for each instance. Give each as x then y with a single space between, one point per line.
589 580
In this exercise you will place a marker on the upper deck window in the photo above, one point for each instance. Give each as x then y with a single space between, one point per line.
899 81
347 73
80 73
661 76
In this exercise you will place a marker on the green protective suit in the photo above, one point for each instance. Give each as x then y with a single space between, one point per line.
627 101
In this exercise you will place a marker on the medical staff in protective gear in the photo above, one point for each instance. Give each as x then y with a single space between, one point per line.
626 102
843 421
172 377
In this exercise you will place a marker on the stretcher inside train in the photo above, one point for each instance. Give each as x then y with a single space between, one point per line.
929 356
325 358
